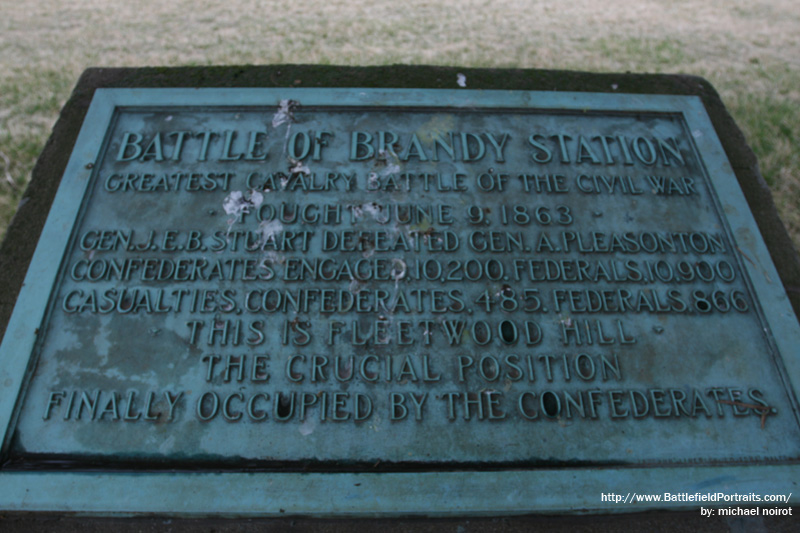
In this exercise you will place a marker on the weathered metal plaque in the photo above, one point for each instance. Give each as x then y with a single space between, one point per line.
397 287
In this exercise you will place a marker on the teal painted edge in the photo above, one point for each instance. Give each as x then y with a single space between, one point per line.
424 494
776 307
20 337
466 98
408 494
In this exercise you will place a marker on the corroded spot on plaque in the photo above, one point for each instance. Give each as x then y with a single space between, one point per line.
316 278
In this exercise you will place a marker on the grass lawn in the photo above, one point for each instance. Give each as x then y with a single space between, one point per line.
748 49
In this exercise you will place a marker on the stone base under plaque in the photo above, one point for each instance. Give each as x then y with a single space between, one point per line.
22 236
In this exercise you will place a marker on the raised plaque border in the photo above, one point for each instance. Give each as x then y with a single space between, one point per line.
366 494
